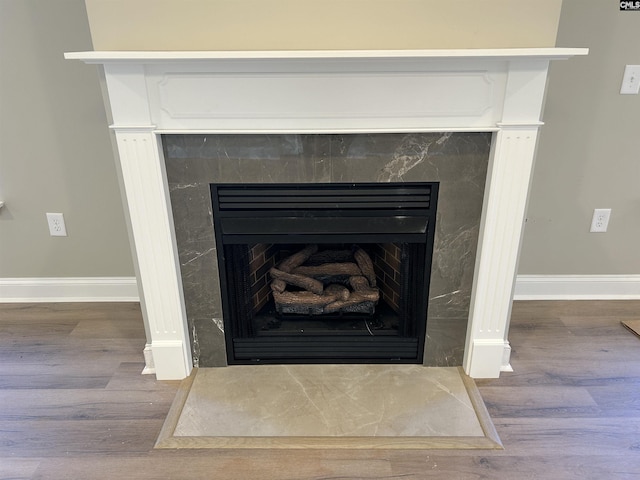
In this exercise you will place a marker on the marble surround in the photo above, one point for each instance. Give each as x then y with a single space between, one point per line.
457 160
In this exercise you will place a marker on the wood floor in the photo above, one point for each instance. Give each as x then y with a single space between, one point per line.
73 404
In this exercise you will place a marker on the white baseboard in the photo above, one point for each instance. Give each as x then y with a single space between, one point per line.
577 287
72 289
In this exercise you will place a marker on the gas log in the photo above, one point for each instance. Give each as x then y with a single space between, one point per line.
331 281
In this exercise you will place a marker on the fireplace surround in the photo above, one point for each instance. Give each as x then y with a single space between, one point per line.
456 161
489 92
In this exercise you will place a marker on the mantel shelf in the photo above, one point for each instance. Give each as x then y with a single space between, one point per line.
458 54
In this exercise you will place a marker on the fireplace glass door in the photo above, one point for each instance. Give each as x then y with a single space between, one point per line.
324 273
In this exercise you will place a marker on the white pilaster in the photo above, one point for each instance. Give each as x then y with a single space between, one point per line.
152 226
504 209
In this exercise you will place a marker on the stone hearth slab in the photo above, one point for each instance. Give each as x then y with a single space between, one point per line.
328 406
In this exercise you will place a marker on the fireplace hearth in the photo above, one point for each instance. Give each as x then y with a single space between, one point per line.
318 273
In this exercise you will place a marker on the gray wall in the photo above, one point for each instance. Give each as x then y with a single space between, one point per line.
589 150
55 151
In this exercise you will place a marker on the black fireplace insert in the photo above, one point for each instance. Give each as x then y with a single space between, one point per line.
324 273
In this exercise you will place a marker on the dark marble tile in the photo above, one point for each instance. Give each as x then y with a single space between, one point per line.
191 171
442 345
200 279
458 161
285 159
208 343
452 270
192 217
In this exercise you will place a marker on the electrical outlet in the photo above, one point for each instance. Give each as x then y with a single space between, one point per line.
630 80
600 219
56 225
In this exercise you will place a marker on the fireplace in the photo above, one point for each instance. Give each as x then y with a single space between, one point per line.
324 273
493 96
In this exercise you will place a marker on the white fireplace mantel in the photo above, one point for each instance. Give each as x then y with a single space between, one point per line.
500 91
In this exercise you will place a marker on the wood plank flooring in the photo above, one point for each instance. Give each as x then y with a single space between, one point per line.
73 404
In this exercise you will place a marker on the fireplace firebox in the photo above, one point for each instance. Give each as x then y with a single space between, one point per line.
314 273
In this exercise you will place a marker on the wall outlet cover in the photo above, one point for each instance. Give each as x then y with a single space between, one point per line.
600 220
57 227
